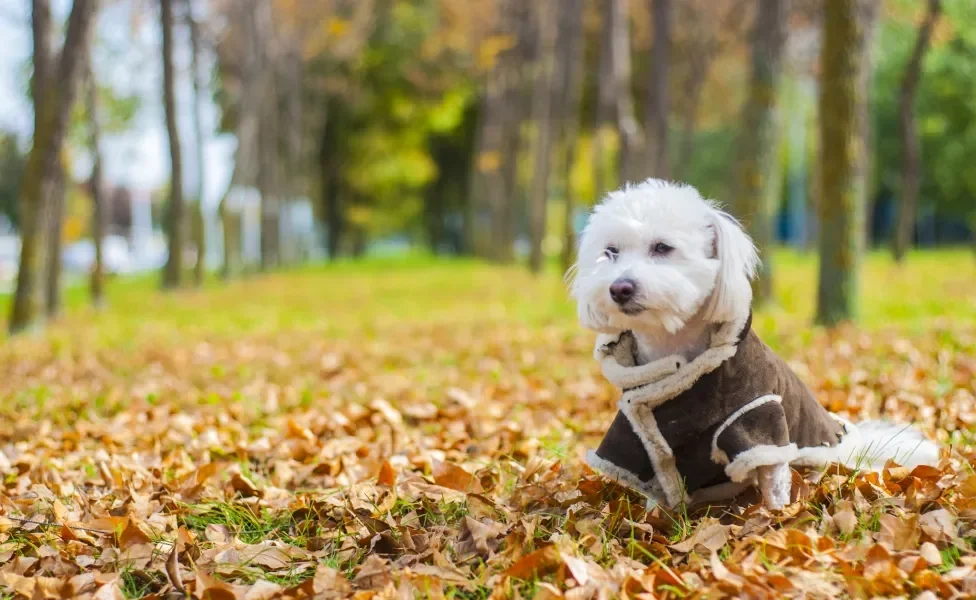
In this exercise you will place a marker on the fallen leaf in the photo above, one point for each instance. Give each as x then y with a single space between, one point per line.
454 477
387 475
710 535
536 564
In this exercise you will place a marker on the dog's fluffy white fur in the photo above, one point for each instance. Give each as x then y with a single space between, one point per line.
690 265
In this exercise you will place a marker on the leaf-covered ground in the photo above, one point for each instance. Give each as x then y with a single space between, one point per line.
407 429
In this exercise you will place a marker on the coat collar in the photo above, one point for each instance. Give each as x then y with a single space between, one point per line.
658 381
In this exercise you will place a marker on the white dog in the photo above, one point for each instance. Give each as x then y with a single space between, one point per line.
707 409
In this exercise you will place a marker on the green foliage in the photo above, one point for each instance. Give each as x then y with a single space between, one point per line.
944 108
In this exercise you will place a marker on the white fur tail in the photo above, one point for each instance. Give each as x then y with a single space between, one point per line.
877 441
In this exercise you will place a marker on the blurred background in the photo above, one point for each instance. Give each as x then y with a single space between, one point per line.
205 137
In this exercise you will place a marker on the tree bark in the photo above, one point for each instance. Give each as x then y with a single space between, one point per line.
658 102
97 191
173 272
199 225
840 186
267 175
542 117
911 150
52 113
759 140
494 175
572 65
696 84
246 132
868 13
631 136
52 295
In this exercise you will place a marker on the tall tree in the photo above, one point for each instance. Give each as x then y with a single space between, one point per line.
494 178
52 276
199 226
568 96
542 118
706 29
268 178
631 137
759 139
659 100
246 106
97 189
173 271
868 11
839 173
910 157
54 87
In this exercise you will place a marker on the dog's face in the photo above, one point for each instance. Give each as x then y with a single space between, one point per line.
655 255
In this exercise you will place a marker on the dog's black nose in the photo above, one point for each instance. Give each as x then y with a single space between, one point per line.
622 290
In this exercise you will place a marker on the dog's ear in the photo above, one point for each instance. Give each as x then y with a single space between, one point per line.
738 262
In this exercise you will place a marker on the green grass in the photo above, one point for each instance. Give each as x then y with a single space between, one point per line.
369 296
243 523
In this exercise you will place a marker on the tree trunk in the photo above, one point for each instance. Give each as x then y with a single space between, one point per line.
330 173
631 136
268 136
758 143
696 85
173 272
199 224
247 129
911 151
606 104
52 295
572 65
52 113
494 174
868 13
658 102
542 117
840 188
97 191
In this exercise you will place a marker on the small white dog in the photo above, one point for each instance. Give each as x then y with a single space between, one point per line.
707 409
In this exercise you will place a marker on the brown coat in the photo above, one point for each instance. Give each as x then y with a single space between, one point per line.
682 427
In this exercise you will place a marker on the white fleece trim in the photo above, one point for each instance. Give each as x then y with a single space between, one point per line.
657 393
642 420
657 382
746 463
629 377
612 471
719 455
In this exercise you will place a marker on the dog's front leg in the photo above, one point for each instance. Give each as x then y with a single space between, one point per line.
775 483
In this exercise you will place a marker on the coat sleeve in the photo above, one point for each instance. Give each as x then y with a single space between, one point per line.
754 436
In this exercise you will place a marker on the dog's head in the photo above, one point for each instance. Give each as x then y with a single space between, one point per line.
655 255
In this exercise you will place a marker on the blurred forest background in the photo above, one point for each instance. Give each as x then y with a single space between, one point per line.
295 130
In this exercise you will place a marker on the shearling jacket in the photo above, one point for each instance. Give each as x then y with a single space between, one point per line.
692 427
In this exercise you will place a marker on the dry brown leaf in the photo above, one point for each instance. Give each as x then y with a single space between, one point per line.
899 533
931 554
374 574
173 570
454 477
536 564
710 535
939 525
387 475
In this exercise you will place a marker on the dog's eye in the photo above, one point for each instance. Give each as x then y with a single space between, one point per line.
611 252
661 249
